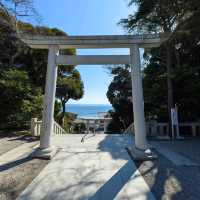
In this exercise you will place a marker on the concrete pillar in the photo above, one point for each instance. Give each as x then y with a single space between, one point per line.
34 127
138 101
49 99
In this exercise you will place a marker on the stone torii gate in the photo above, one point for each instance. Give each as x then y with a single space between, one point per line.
55 43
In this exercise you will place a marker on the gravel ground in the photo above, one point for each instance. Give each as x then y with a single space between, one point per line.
170 182
10 141
189 148
17 175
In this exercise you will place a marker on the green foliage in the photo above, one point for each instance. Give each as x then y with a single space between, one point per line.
115 125
69 86
186 82
19 99
185 77
79 128
12 9
67 120
23 74
33 108
57 110
176 62
155 89
119 93
157 15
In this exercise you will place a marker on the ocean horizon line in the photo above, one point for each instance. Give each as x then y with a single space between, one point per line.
88 104
88 110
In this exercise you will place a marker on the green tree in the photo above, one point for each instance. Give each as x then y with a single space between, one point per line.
13 10
164 16
19 99
186 81
79 128
155 90
31 68
156 16
69 86
119 93
175 62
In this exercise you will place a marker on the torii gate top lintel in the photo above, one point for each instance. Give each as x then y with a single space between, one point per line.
96 41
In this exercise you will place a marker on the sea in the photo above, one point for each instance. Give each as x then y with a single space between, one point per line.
87 110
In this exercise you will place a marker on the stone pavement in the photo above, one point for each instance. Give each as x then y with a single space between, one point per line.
101 169
98 169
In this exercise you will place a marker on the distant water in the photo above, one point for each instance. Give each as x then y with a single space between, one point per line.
87 110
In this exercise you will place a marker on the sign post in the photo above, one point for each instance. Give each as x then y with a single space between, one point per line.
174 120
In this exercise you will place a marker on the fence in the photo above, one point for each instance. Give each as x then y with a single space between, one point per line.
36 127
154 128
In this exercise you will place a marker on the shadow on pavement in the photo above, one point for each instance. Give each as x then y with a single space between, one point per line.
113 186
15 163
165 180
115 145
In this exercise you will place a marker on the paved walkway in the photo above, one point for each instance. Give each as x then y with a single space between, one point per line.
98 169
101 169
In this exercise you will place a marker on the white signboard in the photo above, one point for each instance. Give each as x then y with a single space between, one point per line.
174 116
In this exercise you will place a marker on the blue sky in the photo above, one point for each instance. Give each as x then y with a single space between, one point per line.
87 17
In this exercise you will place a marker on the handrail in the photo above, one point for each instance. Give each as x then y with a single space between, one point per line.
130 129
154 128
36 127
58 129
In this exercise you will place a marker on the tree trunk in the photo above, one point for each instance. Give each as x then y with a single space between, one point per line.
170 84
178 60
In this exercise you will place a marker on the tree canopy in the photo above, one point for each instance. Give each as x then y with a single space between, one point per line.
119 93
23 74
171 72
69 86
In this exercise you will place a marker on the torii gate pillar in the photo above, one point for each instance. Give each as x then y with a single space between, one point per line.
46 150
137 98
140 151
